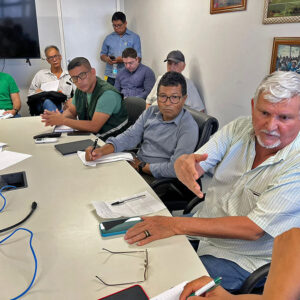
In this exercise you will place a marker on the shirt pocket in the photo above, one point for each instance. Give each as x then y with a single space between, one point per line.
249 200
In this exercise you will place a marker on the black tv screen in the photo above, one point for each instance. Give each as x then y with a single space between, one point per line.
18 29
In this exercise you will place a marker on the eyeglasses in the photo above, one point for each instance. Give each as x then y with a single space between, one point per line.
118 25
127 252
81 76
173 99
51 58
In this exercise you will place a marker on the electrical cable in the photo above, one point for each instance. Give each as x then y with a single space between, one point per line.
34 256
3 188
33 207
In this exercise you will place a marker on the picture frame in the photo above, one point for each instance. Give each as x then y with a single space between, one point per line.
285 54
281 11
221 6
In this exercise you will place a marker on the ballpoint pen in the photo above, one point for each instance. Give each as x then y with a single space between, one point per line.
95 145
128 199
211 285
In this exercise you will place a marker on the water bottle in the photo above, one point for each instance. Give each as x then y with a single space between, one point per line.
115 70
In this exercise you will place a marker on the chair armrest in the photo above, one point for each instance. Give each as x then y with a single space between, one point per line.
195 201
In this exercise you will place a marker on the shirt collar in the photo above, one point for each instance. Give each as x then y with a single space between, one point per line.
175 121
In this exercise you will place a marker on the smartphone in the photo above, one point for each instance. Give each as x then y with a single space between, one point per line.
73 133
45 140
112 57
48 135
134 292
15 179
119 226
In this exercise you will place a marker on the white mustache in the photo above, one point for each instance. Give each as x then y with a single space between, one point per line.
273 132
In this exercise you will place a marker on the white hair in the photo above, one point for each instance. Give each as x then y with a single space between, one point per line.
279 86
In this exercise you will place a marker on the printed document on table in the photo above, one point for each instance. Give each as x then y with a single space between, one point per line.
144 205
171 294
50 86
105 158
63 128
9 158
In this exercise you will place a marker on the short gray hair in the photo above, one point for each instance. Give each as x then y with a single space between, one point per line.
279 85
51 47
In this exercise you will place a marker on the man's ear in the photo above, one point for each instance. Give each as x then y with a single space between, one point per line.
93 71
184 98
252 104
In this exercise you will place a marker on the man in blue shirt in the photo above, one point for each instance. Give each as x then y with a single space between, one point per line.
136 79
164 131
115 43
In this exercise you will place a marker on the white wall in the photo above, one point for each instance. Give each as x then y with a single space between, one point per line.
227 54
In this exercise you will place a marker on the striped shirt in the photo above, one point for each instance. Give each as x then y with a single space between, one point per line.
269 195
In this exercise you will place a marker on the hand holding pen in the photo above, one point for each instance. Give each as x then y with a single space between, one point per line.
90 153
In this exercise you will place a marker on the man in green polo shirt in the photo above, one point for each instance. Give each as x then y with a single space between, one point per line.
9 96
97 104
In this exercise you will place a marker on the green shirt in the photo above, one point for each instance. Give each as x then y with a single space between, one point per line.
8 86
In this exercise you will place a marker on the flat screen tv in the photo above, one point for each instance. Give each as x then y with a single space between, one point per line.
18 29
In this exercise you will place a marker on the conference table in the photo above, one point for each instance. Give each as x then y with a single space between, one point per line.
66 240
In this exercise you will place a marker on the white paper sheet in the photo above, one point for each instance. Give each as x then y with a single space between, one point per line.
9 158
63 128
50 86
6 116
105 159
138 207
171 294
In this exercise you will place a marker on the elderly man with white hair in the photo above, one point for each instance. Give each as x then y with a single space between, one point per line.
254 193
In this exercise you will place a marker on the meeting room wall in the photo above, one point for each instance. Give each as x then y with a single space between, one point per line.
227 54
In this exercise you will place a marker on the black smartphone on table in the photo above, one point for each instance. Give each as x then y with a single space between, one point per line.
134 292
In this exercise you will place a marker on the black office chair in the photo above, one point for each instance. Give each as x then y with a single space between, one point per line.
135 107
172 192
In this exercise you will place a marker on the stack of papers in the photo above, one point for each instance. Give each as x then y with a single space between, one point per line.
63 128
50 86
143 204
9 158
6 116
171 294
106 158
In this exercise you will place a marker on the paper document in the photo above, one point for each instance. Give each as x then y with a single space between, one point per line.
6 116
144 205
50 86
171 294
105 159
9 158
63 128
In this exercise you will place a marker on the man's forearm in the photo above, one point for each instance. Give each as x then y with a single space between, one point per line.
224 227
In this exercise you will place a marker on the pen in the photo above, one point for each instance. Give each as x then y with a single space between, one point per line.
128 199
211 285
95 145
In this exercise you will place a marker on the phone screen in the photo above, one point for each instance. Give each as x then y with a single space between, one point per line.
135 292
119 226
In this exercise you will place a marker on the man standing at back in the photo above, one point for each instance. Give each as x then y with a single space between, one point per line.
176 63
98 105
115 43
136 79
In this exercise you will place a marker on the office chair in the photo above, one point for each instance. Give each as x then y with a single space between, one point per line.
135 107
172 192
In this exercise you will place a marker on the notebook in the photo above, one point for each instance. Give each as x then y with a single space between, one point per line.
73 147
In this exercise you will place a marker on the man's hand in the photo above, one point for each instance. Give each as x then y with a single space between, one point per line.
12 111
51 118
93 155
119 60
188 170
216 294
38 90
158 227
135 163
110 61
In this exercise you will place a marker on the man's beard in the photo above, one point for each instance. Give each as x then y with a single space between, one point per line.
274 133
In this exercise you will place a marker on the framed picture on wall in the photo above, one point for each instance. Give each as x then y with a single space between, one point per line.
220 6
281 11
286 54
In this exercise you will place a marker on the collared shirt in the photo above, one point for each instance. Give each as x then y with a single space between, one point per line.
162 141
115 44
135 84
193 98
43 76
268 194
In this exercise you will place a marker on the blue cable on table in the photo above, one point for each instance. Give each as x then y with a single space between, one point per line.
34 256
3 188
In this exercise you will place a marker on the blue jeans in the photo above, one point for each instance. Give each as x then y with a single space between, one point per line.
49 105
233 276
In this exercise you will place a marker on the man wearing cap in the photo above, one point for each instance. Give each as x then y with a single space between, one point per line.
176 63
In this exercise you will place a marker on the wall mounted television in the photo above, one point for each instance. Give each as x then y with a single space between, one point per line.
18 29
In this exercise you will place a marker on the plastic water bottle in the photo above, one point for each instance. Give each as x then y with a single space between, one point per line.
115 70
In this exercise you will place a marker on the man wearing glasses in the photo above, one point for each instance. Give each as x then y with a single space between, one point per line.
115 43
56 73
165 132
97 105
136 79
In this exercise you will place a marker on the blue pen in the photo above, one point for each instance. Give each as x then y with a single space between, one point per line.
210 286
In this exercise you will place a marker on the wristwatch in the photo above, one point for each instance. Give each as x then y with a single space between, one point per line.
16 110
142 164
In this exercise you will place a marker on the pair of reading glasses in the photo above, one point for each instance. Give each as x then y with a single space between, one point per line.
173 99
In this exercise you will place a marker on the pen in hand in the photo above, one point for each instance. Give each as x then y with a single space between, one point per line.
210 286
94 146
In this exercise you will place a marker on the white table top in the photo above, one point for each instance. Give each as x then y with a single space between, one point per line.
66 238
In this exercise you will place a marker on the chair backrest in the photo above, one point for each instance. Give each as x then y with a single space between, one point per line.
208 125
135 107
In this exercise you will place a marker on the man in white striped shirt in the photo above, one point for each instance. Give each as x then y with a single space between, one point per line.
253 194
